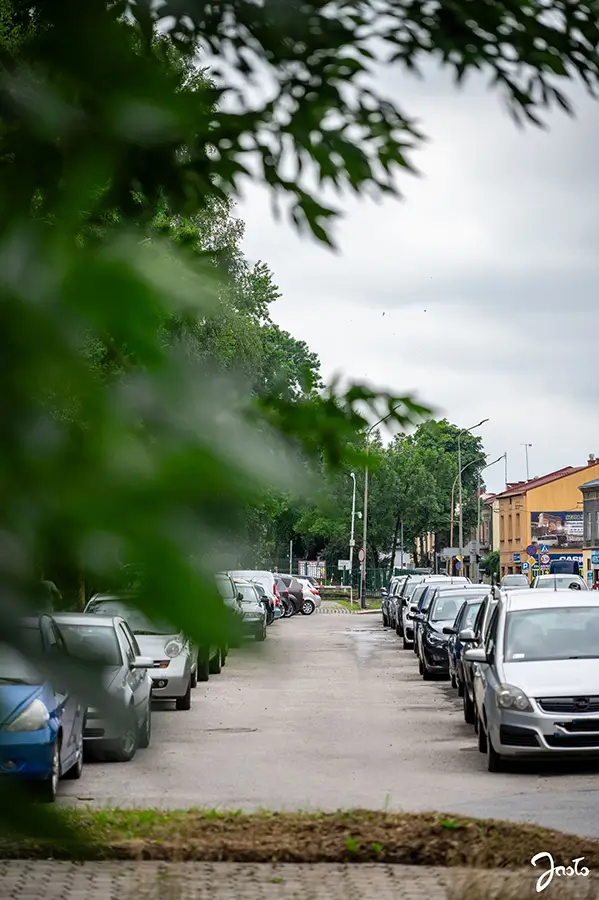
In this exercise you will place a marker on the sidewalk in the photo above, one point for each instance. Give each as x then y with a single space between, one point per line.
24 880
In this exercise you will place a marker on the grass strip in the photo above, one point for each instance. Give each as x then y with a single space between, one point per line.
426 839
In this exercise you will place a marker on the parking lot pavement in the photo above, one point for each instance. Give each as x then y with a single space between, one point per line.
330 712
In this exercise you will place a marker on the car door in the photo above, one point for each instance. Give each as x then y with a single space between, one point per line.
477 629
452 639
480 670
70 707
135 678
423 607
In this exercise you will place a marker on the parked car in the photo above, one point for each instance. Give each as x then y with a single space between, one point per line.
393 600
268 582
388 598
398 609
253 610
295 592
232 600
514 582
311 596
473 638
433 632
425 596
409 613
110 642
538 670
283 592
170 651
266 600
41 738
560 582
455 647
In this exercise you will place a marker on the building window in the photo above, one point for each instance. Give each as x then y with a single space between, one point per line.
589 527
502 531
597 524
509 527
517 535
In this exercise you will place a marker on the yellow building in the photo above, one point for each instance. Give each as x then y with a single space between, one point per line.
545 513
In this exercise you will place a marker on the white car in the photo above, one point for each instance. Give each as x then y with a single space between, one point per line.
560 582
311 596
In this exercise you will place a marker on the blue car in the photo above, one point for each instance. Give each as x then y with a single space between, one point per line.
41 728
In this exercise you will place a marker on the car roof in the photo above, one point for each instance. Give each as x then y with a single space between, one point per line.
463 587
85 619
545 598
244 581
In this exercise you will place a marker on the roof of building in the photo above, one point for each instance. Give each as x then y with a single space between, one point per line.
521 487
590 484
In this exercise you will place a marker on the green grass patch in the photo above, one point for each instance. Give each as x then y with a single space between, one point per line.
354 836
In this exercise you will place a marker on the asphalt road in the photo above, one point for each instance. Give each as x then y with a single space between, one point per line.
330 712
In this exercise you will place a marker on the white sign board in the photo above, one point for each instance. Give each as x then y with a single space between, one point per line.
343 564
449 552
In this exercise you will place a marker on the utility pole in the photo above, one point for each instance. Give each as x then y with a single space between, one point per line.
291 557
461 521
352 542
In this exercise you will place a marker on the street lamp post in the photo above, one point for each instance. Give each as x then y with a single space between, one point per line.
352 541
499 458
526 446
461 521
365 523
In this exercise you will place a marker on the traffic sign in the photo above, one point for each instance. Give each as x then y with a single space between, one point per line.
458 565
545 559
525 567
532 549
543 548
532 561
516 557
361 554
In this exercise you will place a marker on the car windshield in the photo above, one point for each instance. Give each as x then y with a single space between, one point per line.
94 642
225 587
561 581
410 588
514 581
445 608
247 592
14 668
457 597
137 621
568 632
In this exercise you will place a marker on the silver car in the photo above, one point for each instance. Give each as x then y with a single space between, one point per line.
253 609
170 652
537 677
109 640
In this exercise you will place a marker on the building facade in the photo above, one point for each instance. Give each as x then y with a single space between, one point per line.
544 513
590 511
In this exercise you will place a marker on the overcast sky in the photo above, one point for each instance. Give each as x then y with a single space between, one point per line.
478 292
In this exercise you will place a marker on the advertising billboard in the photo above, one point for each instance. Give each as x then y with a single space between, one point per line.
558 530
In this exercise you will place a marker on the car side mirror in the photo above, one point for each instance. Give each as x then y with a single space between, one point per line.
476 655
142 662
449 630
384 592
239 596
467 636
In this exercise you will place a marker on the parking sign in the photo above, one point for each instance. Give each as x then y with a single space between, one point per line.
525 567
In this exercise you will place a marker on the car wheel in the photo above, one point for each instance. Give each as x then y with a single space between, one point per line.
454 683
494 760
420 666
482 738
288 610
427 676
385 621
48 788
468 709
184 702
405 643
194 678
261 635
203 667
125 748
215 665
224 652
398 630
75 772
460 684
145 732
308 608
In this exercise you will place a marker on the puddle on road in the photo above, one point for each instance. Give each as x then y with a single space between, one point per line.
231 730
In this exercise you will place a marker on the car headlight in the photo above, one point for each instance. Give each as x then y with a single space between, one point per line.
173 648
436 639
510 697
33 718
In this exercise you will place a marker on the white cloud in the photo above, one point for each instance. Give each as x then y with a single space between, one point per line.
486 274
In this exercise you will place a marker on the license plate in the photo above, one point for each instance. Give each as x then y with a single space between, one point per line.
577 725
